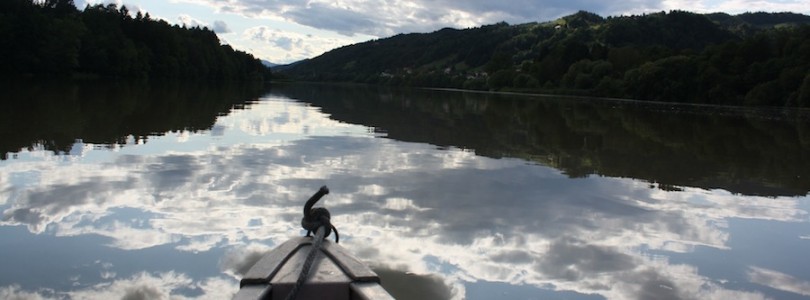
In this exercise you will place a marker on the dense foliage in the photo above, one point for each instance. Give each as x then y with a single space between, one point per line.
52 38
748 59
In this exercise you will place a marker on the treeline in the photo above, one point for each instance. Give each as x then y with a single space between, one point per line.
748 59
52 38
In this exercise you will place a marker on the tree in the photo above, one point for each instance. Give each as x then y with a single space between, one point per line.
804 93
52 38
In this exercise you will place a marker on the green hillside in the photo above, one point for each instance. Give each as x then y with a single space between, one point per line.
52 38
747 59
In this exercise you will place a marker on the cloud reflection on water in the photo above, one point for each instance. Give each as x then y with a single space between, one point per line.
403 206
168 285
779 281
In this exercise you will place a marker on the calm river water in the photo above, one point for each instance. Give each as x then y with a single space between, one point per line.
140 191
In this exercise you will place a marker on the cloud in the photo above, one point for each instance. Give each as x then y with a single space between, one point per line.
37 208
395 16
779 281
141 286
274 36
385 18
238 260
189 21
573 260
343 20
403 285
738 6
288 43
15 292
221 27
165 285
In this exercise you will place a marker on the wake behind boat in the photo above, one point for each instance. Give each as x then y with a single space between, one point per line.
309 267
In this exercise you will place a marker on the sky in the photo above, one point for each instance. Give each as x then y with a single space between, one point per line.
285 31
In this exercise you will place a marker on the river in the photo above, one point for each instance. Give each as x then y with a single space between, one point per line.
139 191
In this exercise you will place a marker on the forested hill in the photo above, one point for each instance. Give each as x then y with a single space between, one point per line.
52 38
747 59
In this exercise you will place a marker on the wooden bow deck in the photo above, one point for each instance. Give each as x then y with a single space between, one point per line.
336 274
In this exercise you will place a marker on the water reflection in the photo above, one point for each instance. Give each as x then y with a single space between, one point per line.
750 151
187 212
401 285
53 115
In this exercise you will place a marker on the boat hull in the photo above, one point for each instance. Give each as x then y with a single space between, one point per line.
335 274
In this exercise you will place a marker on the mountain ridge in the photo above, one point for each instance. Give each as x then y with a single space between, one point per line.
746 59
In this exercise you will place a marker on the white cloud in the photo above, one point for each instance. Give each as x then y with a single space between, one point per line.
238 260
221 27
189 21
16 293
738 6
382 19
396 16
779 281
269 42
166 285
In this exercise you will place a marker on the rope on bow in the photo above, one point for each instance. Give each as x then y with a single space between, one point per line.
314 220
319 216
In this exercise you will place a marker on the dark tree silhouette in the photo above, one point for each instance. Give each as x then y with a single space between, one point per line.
52 38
